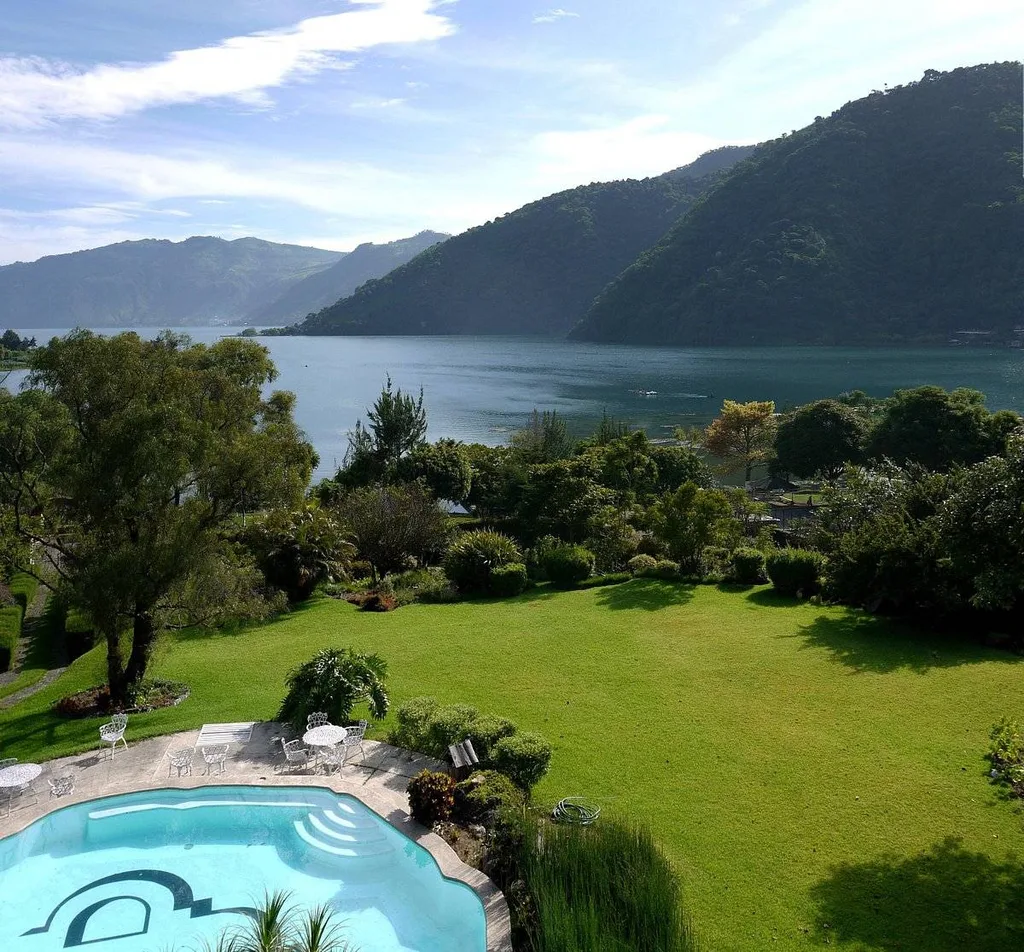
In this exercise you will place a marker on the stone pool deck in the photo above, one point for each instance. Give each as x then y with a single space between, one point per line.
379 778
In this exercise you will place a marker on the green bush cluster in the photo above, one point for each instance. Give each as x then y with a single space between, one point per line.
748 566
646 566
474 556
1007 753
22 590
484 794
431 728
795 571
567 565
641 564
508 580
431 797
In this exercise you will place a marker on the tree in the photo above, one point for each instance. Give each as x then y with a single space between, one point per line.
397 426
627 466
936 429
333 681
982 528
545 439
678 465
392 524
819 437
443 467
124 464
297 549
560 498
498 480
741 436
690 519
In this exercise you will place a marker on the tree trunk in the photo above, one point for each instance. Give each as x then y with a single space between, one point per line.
143 636
115 669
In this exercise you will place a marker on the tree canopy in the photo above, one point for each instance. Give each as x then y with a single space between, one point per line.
741 436
125 462
820 437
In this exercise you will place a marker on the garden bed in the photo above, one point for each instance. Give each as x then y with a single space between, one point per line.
148 696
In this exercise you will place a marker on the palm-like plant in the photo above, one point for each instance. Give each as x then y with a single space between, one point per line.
335 680
278 927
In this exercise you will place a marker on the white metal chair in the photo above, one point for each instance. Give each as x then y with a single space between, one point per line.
113 732
215 756
354 738
333 757
181 760
62 786
317 719
295 754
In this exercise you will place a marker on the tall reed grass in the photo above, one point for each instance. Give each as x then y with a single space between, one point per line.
603 888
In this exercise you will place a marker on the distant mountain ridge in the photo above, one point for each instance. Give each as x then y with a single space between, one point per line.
899 218
533 272
154 282
340 279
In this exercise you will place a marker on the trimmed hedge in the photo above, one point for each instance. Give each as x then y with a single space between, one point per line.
523 758
24 587
567 565
10 632
508 580
641 564
748 566
795 571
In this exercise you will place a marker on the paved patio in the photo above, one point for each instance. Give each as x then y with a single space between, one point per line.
379 778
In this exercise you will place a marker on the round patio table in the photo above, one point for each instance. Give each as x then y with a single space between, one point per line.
17 775
326 735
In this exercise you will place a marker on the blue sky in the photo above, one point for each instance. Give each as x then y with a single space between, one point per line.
331 122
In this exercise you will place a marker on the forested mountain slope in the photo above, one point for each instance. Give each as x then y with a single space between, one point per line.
534 271
899 218
342 278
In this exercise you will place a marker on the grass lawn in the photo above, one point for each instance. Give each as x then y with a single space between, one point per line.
817 776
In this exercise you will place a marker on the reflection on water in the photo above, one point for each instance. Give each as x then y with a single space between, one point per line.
478 389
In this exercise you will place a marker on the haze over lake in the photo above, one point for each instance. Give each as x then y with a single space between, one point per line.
478 389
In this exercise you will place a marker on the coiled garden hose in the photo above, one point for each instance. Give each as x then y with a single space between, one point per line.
575 810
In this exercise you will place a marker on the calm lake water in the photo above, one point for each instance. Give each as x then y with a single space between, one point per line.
478 389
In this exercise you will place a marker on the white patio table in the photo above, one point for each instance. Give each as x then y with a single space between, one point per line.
17 775
326 735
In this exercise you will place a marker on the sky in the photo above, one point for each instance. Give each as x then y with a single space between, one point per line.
333 122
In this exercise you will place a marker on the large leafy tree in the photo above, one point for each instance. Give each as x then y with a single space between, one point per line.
820 437
741 436
692 518
443 467
125 463
392 524
937 429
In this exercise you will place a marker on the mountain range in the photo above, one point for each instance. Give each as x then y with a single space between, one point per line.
197 281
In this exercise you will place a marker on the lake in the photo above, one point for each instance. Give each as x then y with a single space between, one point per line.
479 389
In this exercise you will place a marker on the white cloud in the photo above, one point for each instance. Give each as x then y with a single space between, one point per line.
34 90
552 16
645 145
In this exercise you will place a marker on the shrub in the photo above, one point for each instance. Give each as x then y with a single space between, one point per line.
606 886
10 632
487 730
333 681
748 566
448 725
524 758
508 580
431 797
474 555
79 632
640 565
413 719
23 589
484 794
568 565
715 561
1007 753
665 569
795 571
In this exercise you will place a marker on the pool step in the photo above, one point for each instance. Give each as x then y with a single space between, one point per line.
355 850
344 816
346 834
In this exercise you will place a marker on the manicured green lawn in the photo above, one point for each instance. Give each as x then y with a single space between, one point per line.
817 776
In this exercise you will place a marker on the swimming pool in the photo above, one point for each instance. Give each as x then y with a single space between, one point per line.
165 869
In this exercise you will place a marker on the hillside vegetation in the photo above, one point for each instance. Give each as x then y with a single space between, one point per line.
153 283
899 218
534 271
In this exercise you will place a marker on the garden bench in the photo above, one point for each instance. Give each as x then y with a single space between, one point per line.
464 758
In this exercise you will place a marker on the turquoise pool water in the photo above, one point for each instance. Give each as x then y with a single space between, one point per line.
163 870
